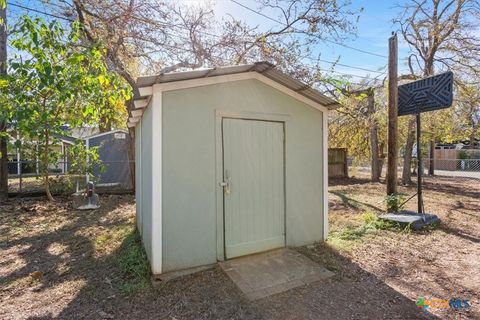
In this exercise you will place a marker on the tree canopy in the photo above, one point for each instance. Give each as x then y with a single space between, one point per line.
56 80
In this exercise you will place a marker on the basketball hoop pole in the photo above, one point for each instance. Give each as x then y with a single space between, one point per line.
419 167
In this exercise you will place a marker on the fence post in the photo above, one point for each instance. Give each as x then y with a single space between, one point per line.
431 167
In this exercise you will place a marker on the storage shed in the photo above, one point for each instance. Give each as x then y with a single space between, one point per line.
230 161
115 170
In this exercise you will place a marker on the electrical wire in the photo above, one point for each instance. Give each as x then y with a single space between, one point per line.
326 40
38 11
218 57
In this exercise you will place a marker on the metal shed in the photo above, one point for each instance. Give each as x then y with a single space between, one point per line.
230 161
113 152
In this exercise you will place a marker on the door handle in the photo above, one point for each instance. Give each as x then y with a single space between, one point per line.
226 184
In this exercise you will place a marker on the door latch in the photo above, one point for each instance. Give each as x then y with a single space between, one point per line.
226 184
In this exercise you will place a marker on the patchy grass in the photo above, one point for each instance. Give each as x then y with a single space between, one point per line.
133 262
437 262
367 224
109 240
61 263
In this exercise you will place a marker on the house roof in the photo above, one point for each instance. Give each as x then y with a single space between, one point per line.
65 138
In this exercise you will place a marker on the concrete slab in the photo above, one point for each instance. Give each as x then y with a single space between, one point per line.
269 273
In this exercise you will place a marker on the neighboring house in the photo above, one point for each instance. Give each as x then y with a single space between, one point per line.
115 170
19 164
230 161
84 132
113 152
458 145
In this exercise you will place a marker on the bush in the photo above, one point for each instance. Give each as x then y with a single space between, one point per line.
65 185
395 202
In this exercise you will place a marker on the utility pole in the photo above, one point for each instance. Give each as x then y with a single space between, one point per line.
392 114
3 123
419 164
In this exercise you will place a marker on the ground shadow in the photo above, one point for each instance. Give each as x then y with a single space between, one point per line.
466 188
210 294
354 204
459 233
347 181
353 293
43 272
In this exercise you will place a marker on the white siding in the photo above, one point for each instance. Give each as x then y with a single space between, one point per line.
189 214
145 195
138 177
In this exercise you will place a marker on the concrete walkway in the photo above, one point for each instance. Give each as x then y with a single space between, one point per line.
265 274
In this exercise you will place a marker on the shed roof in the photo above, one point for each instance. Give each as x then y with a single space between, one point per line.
104 134
265 68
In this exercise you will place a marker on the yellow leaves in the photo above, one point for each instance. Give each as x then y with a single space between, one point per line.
103 80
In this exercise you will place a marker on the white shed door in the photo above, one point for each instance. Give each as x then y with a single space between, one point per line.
254 200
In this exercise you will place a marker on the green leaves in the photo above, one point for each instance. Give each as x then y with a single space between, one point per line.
56 80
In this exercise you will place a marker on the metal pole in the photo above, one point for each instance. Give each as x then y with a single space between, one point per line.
431 168
419 167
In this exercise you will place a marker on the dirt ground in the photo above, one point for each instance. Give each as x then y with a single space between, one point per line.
57 262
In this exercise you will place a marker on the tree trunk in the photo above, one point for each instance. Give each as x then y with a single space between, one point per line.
373 136
407 157
3 123
45 160
473 136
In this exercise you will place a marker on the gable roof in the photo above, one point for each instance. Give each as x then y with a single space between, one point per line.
65 138
263 68
100 134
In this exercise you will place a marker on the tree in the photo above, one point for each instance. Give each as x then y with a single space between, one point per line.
358 125
442 36
163 37
467 111
3 123
156 36
57 80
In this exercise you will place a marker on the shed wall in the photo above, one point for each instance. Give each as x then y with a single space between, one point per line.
145 194
138 177
189 167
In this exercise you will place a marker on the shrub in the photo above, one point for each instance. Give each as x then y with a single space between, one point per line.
395 202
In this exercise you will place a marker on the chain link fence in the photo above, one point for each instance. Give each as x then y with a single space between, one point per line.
463 169
26 177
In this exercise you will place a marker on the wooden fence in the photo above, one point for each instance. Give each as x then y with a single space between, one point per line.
445 159
337 163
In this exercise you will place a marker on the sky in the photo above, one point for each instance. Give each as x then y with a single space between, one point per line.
374 28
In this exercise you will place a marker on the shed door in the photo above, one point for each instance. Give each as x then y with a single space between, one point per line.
254 200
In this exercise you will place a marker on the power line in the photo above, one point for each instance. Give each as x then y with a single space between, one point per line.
346 65
218 57
39 11
326 40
